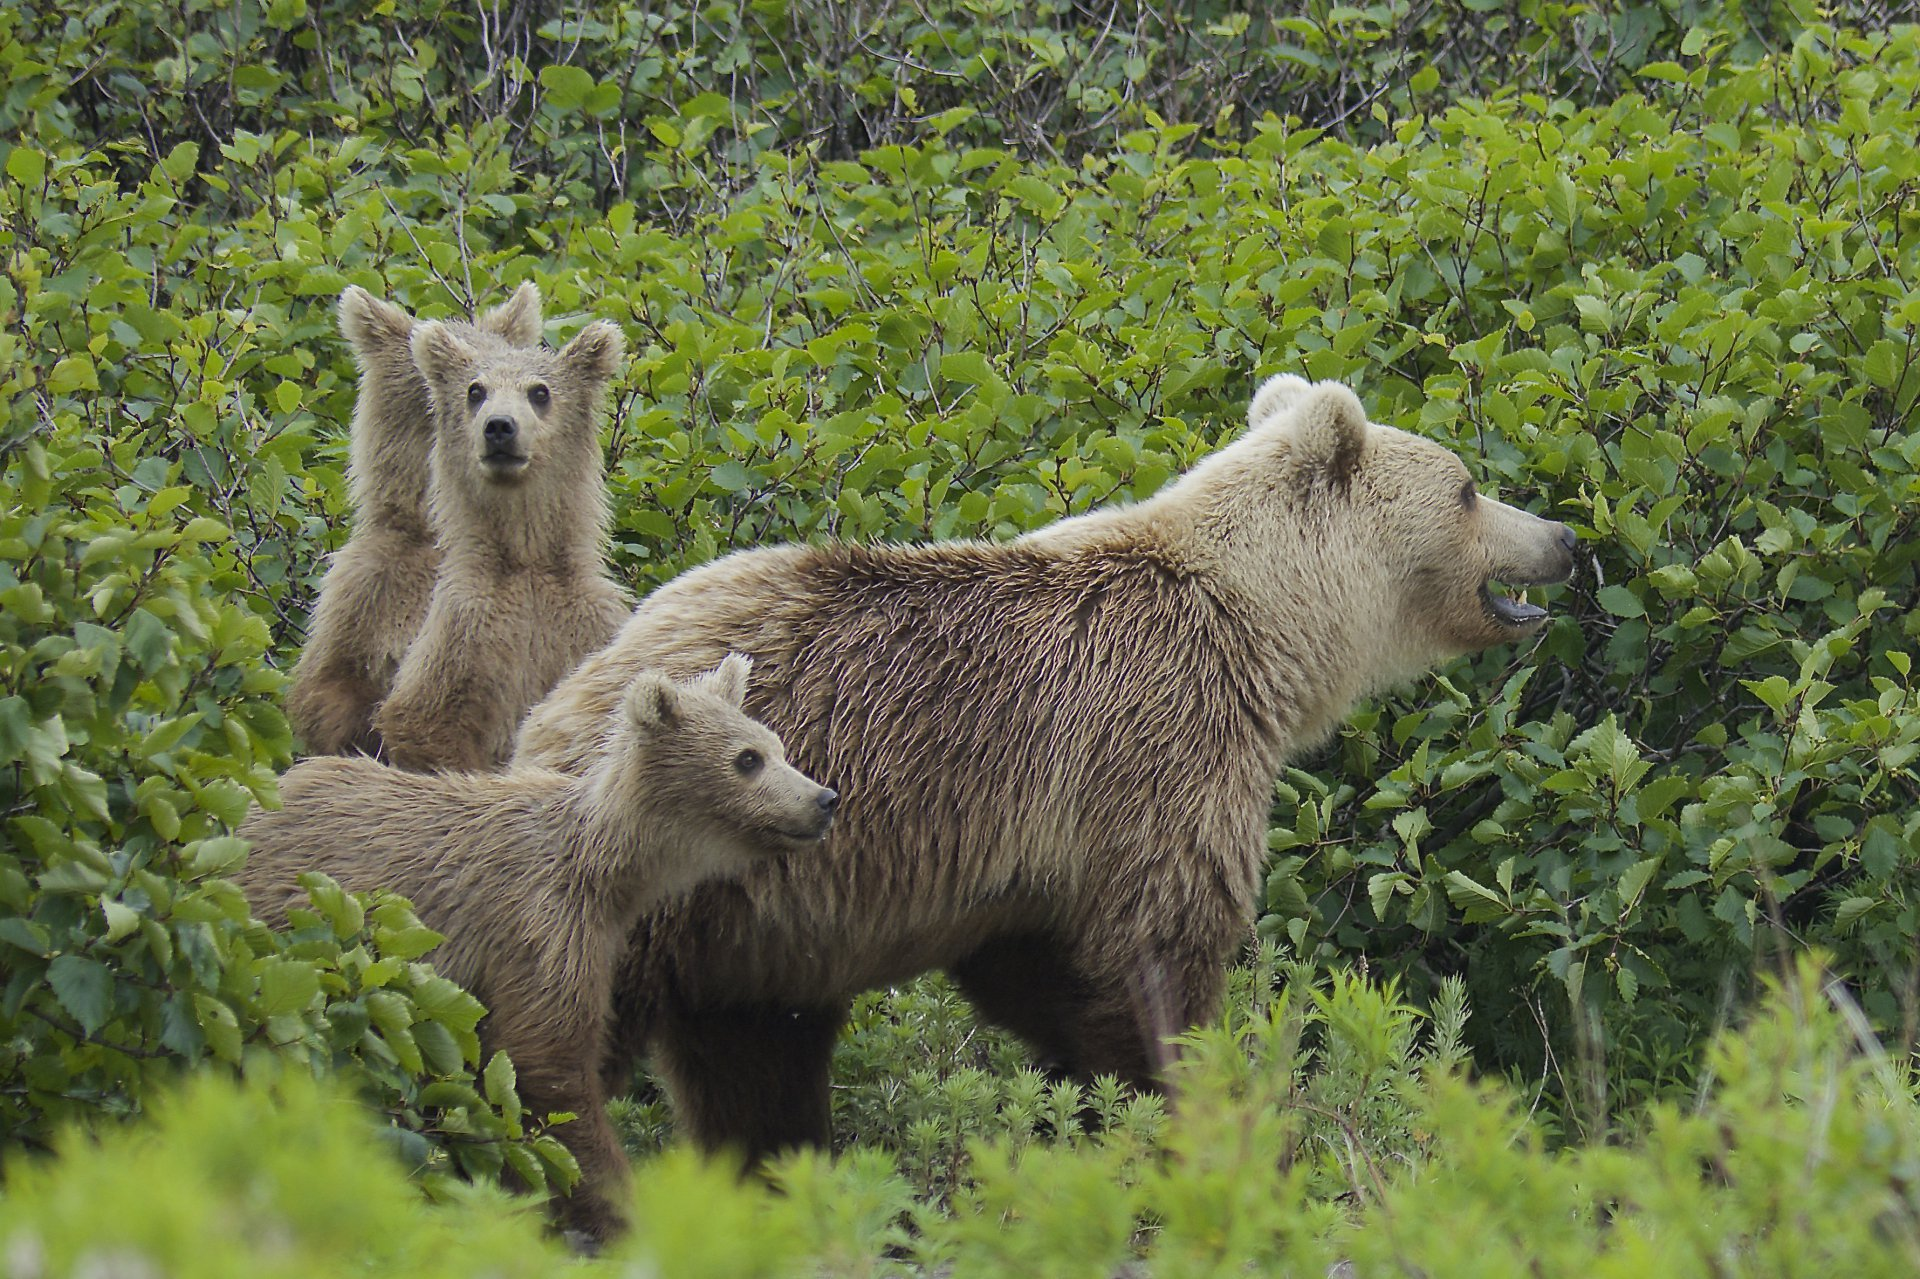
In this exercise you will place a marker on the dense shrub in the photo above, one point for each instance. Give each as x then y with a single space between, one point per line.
957 269
1796 1162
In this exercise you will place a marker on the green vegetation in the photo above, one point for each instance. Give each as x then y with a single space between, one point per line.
958 268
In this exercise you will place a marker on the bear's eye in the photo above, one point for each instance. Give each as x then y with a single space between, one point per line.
475 394
747 763
539 396
1467 494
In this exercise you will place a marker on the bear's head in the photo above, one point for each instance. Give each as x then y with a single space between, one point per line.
393 417
381 334
697 756
1420 562
508 414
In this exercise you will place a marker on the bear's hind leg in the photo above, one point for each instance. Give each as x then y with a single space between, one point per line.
1025 984
1117 1024
753 1079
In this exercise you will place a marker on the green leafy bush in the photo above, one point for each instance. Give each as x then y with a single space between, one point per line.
957 269
139 563
1796 1162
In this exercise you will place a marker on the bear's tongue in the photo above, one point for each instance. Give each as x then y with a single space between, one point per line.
1514 612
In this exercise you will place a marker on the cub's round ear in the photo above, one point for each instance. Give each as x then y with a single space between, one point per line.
440 356
1276 395
653 701
728 681
1329 429
373 328
596 351
517 319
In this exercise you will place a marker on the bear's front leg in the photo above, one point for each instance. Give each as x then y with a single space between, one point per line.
455 700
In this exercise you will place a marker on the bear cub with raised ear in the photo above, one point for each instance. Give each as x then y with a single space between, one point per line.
536 878
374 596
518 501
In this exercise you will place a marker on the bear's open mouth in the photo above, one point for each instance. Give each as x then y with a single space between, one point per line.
811 835
1509 610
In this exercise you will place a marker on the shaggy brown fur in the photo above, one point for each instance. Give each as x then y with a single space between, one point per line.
519 502
374 596
1061 749
536 878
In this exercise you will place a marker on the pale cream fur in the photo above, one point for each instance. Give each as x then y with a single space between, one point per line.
374 595
522 592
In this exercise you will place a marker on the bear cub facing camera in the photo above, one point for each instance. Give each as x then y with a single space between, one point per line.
1064 749
536 878
375 593
519 503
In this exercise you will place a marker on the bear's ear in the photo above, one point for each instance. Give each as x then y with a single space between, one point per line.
517 319
1276 395
653 701
728 681
595 352
439 355
372 327
1328 432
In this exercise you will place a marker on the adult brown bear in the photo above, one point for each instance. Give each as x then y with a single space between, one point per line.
1059 752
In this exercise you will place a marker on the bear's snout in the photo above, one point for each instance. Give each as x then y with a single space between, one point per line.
815 824
500 451
1565 540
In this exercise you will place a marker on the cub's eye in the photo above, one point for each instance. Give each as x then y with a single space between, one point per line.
539 396
747 763
476 393
1467 494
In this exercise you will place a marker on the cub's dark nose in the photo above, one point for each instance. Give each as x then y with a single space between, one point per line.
828 801
1569 538
499 432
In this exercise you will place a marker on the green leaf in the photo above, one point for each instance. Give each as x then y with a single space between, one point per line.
84 988
287 986
566 87
181 161
220 1027
148 640
26 166
1633 881
501 1083
25 934
1620 601
1852 908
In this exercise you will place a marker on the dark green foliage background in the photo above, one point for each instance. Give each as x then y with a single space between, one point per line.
957 269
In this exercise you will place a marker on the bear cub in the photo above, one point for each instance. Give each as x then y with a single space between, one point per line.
537 878
374 595
518 502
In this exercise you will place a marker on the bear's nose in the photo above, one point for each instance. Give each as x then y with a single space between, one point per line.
1569 538
499 430
828 800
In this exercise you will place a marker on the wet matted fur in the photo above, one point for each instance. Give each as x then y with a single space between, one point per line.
1059 752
